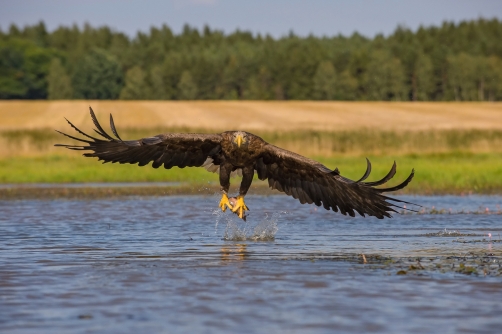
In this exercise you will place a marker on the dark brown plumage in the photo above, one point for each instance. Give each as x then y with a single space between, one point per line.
241 152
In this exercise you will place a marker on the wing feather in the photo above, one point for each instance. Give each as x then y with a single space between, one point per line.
278 186
112 126
99 129
367 173
173 149
386 178
305 186
311 182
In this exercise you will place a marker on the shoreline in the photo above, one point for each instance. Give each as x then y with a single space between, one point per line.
50 191
116 190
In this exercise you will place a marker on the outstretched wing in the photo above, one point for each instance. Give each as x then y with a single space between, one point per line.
173 149
311 182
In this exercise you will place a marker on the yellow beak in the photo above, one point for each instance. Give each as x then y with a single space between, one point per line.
239 140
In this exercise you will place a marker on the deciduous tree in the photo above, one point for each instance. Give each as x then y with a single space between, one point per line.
98 76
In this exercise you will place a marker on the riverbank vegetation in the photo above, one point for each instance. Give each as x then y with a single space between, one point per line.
454 147
445 161
442 173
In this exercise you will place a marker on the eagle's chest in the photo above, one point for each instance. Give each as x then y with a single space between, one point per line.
242 156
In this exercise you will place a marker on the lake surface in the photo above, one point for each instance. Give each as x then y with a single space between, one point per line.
175 264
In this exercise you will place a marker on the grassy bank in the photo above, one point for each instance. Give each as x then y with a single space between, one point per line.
438 173
454 147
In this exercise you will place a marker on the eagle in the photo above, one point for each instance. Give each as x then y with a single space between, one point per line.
244 153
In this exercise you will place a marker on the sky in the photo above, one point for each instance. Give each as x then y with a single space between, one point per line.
274 17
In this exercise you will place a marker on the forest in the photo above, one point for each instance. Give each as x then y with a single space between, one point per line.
452 62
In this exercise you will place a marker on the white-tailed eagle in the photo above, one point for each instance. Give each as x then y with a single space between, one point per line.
238 151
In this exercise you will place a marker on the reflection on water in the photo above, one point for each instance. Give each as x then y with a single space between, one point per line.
165 264
233 252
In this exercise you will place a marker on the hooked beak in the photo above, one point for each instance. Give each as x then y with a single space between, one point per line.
239 140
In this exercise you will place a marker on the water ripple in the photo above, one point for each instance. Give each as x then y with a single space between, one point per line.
175 264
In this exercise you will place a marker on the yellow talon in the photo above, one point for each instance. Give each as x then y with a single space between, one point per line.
240 207
224 203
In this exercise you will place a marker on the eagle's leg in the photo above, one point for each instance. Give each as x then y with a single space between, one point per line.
240 207
224 203
225 171
247 177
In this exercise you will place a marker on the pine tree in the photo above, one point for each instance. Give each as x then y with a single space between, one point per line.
494 79
346 87
453 61
325 81
187 87
157 84
422 79
259 87
462 77
59 82
384 78
135 87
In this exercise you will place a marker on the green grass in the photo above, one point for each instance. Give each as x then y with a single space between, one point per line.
439 173
435 173
75 168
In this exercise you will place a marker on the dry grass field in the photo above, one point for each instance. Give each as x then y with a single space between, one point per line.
454 147
256 115
311 128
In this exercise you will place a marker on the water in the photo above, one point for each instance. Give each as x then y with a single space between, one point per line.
175 264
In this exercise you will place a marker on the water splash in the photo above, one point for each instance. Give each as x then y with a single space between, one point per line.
450 233
266 230
234 232
237 230
482 210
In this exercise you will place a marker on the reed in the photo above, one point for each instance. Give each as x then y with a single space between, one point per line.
307 142
372 142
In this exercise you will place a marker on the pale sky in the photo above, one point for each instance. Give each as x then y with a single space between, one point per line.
274 17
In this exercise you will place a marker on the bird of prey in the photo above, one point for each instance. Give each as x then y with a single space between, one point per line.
244 153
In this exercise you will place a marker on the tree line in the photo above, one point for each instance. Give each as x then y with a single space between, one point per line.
461 62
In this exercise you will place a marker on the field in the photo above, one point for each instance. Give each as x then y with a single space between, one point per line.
454 147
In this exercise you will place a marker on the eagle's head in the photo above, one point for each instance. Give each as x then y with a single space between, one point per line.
240 139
